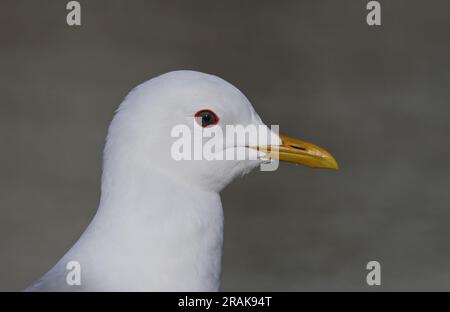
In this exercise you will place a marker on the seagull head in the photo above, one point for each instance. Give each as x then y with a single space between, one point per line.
167 124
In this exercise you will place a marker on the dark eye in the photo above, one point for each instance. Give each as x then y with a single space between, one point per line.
206 117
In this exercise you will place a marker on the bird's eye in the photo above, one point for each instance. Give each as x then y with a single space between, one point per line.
206 118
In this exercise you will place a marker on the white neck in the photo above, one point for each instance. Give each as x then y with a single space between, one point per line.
152 233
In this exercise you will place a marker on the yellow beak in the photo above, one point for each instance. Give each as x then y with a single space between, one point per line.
301 152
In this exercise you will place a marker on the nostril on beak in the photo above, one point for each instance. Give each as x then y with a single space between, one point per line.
298 147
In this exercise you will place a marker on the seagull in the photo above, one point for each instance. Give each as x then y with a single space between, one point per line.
159 224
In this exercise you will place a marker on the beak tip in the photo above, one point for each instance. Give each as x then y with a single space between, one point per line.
335 165
331 162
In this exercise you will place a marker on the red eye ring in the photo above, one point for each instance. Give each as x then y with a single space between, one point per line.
206 118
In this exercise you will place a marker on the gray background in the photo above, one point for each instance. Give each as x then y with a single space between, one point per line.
376 97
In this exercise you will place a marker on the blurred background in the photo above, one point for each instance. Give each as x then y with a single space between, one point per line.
376 97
